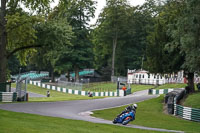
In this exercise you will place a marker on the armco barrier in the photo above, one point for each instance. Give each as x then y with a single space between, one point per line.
8 96
77 92
187 113
160 91
180 111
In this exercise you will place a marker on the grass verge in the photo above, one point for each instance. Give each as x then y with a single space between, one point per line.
54 95
193 100
135 87
150 114
166 86
108 86
12 122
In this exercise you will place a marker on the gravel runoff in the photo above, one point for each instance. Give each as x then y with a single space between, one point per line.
80 109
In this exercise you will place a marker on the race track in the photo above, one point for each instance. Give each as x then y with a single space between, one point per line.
80 109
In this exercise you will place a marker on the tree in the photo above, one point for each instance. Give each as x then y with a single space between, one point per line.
185 33
132 25
112 23
54 36
12 17
173 45
78 14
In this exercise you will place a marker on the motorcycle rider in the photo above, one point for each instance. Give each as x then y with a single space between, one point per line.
129 109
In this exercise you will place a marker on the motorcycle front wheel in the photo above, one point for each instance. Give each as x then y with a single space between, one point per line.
114 121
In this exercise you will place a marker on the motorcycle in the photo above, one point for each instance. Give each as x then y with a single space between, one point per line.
125 118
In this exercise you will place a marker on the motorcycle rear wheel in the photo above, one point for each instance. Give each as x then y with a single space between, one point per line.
126 121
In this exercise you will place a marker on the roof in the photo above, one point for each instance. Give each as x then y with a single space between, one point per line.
83 73
139 71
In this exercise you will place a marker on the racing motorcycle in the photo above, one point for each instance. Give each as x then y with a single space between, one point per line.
126 116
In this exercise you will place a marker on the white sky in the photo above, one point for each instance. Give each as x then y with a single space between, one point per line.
101 4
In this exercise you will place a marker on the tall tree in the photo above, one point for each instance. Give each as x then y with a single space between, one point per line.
15 18
55 37
186 35
78 13
174 45
112 23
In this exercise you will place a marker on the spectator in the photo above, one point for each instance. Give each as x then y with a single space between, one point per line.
48 93
124 89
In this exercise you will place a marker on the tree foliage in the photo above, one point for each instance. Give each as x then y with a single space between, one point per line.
15 22
120 36
54 36
174 45
78 13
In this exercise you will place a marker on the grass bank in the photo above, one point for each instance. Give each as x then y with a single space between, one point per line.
193 100
166 86
108 86
54 95
12 122
150 113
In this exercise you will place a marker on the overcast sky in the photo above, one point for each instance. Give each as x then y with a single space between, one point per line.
102 3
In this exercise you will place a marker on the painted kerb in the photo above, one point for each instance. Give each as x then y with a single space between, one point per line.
160 91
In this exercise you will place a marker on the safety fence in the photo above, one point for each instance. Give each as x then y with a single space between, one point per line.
160 91
79 92
160 81
8 96
21 89
187 112
72 85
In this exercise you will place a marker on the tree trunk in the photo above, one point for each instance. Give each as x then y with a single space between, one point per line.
76 74
52 76
113 55
191 82
3 42
68 76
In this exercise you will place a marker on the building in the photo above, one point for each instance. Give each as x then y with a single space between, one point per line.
88 75
144 77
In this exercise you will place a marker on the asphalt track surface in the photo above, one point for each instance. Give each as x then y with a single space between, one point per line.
81 109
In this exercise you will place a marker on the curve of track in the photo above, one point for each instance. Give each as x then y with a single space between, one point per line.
80 109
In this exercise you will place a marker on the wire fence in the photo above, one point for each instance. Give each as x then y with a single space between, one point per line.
21 89
70 85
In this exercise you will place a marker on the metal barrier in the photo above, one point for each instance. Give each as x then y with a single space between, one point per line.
73 91
79 92
8 96
160 91
128 91
21 89
187 112
71 85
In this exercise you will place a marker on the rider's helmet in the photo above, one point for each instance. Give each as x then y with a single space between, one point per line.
134 106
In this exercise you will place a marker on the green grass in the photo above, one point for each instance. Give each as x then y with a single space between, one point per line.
135 87
193 100
54 95
108 86
166 86
12 122
150 114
